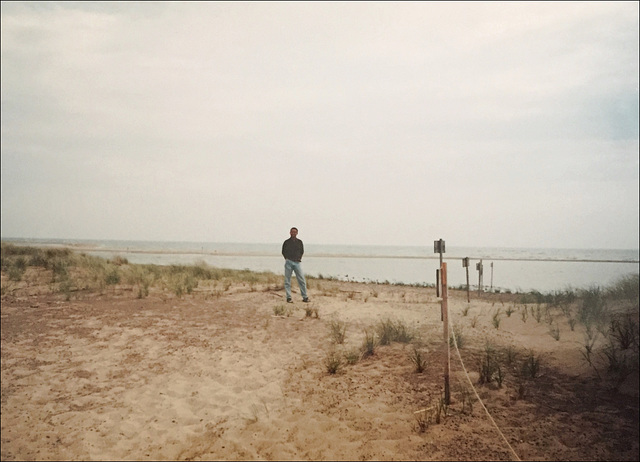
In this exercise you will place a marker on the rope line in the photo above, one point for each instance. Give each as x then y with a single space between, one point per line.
464 369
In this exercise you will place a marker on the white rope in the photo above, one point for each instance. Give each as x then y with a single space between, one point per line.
455 344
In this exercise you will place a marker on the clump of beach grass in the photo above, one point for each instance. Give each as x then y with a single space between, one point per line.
352 356
467 399
623 330
338 330
456 339
418 360
489 365
593 307
612 352
333 361
524 313
626 288
311 312
390 331
537 313
495 319
430 415
369 344
510 310
510 355
281 310
531 365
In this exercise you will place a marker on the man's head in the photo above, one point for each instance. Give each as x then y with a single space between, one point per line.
293 232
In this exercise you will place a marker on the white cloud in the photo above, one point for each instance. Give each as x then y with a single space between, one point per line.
495 123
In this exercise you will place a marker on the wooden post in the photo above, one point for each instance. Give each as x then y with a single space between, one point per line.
479 268
491 288
438 247
445 321
465 263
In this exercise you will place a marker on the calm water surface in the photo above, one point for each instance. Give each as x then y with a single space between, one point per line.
515 269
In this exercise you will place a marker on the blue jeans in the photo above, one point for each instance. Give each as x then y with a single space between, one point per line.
291 266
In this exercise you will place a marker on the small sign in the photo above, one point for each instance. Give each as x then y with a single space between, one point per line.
465 262
438 246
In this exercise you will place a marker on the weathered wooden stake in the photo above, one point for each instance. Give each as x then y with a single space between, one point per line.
465 263
438 247
445 321
491 287
480 282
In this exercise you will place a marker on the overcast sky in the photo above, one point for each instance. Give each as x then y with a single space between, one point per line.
484 124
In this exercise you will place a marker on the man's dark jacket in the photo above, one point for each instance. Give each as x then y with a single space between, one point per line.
293 249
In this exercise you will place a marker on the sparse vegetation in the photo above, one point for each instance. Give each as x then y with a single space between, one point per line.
554 331
311 312
75 273
369 344
524 314
623 330
467 399
627 288
282 310
352 356
510 310
495 319
531 366
537 313
610 331
333 362
456 339
338 331
418 360
430 415
489 364
510 355
393 331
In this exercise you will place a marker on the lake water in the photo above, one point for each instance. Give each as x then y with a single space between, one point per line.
514 269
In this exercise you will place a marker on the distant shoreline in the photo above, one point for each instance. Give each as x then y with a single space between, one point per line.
96 249
327 255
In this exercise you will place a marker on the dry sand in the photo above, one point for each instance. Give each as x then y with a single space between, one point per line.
113 377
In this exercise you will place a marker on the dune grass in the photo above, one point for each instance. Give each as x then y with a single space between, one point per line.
73 272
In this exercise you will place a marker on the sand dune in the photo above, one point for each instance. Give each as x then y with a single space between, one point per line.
202 377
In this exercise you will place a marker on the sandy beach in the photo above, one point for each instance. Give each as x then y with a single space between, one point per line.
218 374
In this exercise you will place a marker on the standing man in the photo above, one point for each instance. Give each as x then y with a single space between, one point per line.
292 251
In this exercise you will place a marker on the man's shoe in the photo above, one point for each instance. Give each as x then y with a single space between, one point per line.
306 300
289 300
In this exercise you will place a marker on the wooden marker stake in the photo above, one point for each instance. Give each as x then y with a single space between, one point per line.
445 321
